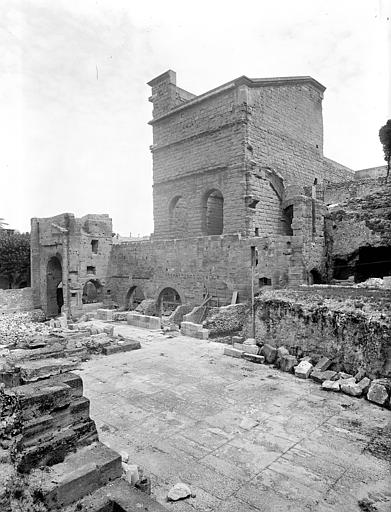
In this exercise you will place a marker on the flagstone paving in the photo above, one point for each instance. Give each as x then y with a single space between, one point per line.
244 437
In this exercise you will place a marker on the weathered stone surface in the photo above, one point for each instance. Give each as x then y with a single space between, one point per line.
343 375
250 349
323 364
349 387
31 371
321 376
148 322
239 346
250 341
253 358
124 346
287 363
233 352
303 370
364 384
248 423
237 339
331 385
105 314
269 352
379 391
360 374
282 351
179 491
194 330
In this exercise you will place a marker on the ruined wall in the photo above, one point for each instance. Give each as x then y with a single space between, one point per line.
359 231
335 193
354 332
217 265
68 250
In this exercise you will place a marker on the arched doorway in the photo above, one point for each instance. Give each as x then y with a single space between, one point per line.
134 297
315 277
213 212
168 301
54 293
92 292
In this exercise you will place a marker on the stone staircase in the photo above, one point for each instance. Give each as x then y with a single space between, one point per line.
51 443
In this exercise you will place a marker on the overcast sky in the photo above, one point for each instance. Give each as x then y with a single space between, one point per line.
74 101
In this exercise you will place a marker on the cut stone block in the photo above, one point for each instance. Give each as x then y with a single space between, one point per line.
105 314
364 384
323 364
253 358
320 376
147 322
287 363
269 352
240 346
349 387
343 375
282 351
31 371
109 329
233 352
360 375
250 341
126 346
191 329
379 391
237 339
331 385
250 349
303 370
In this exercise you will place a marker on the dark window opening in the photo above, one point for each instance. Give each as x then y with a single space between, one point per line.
315 277
214 213
287 218
256 231
264 281
91 270
94 246
372 262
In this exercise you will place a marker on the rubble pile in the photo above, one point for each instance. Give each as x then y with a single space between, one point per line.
16 328
323 370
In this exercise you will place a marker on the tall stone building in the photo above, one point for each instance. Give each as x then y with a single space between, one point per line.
238 171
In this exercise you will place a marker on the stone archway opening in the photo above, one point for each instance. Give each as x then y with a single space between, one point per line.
315 277
169 299
214 212
178 217
54 291
92 292
134 297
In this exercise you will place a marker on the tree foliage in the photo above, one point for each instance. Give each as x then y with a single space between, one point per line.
385 139
15 258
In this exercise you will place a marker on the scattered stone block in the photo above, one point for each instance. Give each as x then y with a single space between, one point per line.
179 491
248 423
121 346
364 384
237 339
250 349
323 364
269 352
233 352
105 314
239 346
349 387
287 363
379 391
331 385
343 375
109 329
253 358
250 341
321 376
360 374
282 351
303 370
147 322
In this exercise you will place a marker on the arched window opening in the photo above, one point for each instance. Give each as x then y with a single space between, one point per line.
168 301
134 298
55 298
178 217
287 217
315 277
214 212
92 292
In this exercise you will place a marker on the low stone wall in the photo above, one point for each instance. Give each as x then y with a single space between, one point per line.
16 300
148 322
353 333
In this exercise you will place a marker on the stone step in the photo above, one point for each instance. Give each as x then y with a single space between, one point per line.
126 346
117 495
56 446
81 473
40 429
31 371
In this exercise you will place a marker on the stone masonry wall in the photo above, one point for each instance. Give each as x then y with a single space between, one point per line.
335 193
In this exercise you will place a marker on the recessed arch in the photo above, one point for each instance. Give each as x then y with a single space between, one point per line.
178 217
134 297
213 209
92 292
54 291
168 300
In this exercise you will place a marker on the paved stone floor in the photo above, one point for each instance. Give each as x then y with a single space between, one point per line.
245 437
